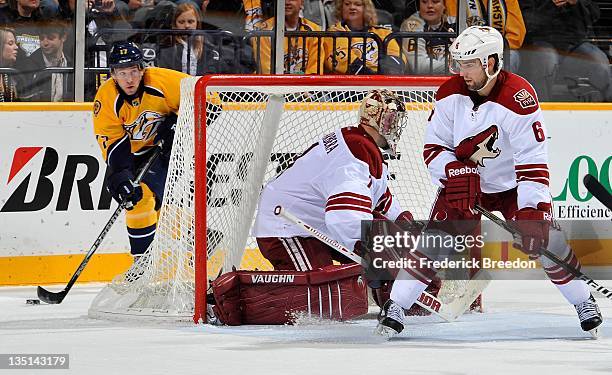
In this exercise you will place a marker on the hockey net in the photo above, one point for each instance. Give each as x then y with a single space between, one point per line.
234 134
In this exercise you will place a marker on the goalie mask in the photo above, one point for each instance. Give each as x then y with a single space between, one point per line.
478 42
384 111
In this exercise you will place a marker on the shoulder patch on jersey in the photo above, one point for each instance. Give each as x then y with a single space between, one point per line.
516 94
97 107
455 85
363 147
524 99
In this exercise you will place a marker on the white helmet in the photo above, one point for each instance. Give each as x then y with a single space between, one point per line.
478 42
383 110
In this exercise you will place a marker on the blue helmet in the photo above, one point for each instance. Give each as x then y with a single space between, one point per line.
124 54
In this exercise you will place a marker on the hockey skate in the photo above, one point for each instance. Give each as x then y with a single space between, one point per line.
590 316
211 317
390 319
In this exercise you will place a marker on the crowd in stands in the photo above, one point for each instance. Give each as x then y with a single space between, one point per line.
550 42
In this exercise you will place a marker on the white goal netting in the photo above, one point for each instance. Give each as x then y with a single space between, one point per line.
251 134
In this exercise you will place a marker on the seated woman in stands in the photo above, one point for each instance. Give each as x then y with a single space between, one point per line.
199 54
8 59
428 56
363 55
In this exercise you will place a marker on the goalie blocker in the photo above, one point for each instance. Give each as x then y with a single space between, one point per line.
280 297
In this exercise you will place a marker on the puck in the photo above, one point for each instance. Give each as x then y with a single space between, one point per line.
33 301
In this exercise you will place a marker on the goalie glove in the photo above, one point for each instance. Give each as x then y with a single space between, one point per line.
534 225
462 185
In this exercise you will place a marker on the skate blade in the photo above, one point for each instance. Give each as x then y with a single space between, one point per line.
595 333
385 331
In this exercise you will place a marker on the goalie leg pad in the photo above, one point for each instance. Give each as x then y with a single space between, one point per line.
279 297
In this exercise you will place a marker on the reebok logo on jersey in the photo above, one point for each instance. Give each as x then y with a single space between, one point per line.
462 171
525 99
263 279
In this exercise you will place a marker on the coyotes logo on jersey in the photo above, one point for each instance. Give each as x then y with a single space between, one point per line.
479 147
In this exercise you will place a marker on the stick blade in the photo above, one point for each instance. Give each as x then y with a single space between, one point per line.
598 190
50 297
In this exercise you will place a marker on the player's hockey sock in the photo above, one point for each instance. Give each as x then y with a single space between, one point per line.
406 289
575 291
140 239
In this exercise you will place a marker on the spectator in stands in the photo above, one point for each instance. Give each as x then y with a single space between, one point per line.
102 14
8 59
428 56
363 55
200 54
505 16
301 54
556 50
44 86
24 16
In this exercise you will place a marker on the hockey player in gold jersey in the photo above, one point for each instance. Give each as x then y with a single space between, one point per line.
133 112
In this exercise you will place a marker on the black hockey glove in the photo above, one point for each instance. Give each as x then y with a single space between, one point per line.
121 186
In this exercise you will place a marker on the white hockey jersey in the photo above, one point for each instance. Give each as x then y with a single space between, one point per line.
332 186
513 151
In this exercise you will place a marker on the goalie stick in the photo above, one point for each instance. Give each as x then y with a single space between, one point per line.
57 297
447 311
567 267
598 190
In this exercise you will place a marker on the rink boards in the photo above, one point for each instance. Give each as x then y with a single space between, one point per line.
52 205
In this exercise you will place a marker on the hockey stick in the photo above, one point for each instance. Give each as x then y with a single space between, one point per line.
447 311
567 267
598 190
57 297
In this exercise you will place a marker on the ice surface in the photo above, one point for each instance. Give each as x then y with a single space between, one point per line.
528 328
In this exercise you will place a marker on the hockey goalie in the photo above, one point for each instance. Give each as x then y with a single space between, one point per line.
333 185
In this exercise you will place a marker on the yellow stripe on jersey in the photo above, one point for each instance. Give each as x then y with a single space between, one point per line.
116 115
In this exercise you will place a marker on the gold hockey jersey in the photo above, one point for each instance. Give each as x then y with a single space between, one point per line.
337 59
118 118
301 54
